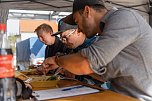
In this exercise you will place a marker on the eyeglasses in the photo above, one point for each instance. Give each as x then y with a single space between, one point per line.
65 38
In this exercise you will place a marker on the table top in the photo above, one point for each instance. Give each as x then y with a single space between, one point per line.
105 95
101 96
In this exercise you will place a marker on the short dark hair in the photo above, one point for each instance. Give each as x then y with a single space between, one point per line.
80 4
43 28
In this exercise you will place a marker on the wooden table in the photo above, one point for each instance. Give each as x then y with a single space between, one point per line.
105 95
102 96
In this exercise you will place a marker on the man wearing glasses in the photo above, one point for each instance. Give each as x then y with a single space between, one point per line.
77 40
70 41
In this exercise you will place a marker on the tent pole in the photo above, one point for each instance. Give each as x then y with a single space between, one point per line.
4 15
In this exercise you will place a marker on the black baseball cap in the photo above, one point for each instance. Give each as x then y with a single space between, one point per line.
62 27
80 4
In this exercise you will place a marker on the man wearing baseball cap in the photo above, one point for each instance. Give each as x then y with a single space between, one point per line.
122 54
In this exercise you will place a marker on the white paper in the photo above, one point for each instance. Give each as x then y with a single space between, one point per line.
64 92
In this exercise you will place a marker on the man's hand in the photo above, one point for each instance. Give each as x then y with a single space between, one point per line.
40 70
49 64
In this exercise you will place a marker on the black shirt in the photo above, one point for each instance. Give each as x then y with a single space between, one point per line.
58 46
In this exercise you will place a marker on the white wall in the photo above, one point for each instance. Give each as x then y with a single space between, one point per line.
25 36
13 27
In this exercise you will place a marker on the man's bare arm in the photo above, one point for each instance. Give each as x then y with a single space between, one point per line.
75 63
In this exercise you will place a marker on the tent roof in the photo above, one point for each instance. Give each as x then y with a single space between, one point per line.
51 5
55 5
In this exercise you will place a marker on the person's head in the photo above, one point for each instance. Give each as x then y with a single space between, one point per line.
72 38
44 32
69 35
87 14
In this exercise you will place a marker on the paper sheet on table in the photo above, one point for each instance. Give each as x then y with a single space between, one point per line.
64 92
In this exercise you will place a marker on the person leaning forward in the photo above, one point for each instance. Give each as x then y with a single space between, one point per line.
122 54
54 44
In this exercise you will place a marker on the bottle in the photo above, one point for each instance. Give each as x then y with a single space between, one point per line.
7 80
